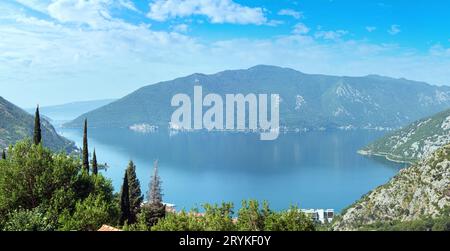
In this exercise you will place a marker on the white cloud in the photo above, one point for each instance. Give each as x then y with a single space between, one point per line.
394 30
128 4
182 28
94 13
115 57
217 11
371 28
330 35
37 5
439 51
300 28
290 12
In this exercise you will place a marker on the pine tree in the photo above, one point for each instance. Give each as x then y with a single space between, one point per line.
135 194
125 202
155 191
37 127
3 154
154 210
94 164
85 148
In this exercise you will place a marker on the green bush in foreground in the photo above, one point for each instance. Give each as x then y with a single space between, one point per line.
250 218
29 220
36 183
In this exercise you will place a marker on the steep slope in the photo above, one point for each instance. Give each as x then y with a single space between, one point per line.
307 101
422 190
413 142
16 124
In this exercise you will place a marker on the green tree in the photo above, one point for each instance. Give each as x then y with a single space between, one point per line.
251 217
154 210
29 220
218 218
125 213
155 190
180 222
215 218
151 214
3 154
136 197
290 220
85 148
37 128
89 215
94 164
34 177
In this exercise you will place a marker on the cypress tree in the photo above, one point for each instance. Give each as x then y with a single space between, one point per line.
37 128
135 194
125 202
94 164
155 191
3 154
85 148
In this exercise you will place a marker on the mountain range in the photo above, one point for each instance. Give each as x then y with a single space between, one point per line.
16 124
415 141
308 101
70 111
421 191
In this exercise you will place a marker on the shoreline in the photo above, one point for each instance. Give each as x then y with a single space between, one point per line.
387 156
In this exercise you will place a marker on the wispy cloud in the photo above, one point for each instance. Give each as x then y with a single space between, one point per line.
83 45
330 35
394 30
371 28
289 12
128 4
182 28
217 11
37 5
300 28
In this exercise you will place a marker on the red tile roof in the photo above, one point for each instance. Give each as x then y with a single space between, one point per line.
106 228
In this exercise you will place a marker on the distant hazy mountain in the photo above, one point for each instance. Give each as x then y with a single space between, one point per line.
16 124
70 111
417 192
415 141
307 101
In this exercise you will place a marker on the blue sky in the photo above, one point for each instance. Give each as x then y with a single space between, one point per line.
58 51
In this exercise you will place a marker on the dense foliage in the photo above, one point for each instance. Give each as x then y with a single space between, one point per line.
42 190
251 217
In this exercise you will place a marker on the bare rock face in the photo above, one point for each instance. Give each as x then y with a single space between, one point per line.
414 142
421 190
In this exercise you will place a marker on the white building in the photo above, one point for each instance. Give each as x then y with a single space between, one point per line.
320 215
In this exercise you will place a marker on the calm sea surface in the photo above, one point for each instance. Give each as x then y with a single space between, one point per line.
311 170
